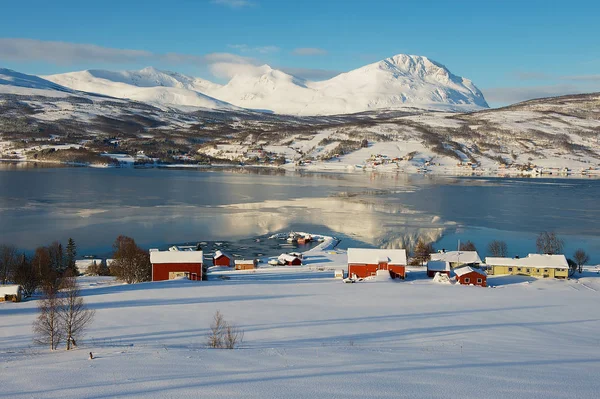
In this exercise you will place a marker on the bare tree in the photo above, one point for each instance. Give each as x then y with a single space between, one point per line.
467 246
549 243
74 315
26 276
47 328
423 251
217 330
233 336
498 248
581 258
43 264
131 263
8 262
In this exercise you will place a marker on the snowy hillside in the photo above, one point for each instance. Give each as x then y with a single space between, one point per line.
147 85
397 82
308 335
14 82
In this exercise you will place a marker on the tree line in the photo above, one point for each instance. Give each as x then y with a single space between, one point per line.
46 267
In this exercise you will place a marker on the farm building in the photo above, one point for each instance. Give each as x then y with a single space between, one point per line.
365 262
457 258
169 265
534 265
438 266
289 260
245 264
11 293
221 259
468 275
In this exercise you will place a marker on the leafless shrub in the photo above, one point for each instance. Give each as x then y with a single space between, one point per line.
223 335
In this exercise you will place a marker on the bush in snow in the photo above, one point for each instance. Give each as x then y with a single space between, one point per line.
223 335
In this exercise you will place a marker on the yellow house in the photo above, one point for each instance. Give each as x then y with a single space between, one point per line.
534 265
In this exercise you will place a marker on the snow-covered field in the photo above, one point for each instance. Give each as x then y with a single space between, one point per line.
309 335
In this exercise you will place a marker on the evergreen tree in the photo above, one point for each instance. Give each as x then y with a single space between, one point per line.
70 257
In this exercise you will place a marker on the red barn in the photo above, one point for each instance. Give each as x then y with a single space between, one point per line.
168 265
289 260
438 266
365 262
470 276
221 259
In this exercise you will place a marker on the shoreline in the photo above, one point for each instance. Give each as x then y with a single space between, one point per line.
340 169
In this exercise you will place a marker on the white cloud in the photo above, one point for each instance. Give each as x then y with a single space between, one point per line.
65 53
227 70
244 48
311 74
233 3
309 51
582 78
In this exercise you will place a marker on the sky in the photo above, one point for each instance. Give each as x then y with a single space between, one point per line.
512 50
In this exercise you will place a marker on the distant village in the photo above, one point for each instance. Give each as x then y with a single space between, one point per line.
355 265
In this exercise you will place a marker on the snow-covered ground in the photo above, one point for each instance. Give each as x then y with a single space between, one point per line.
309 335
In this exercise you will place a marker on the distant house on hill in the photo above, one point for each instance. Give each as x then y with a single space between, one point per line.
221 259
468 275
534 265
438 266
84 264
169 265
457 258
245 264
364 262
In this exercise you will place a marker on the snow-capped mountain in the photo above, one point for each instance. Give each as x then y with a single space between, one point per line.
20 83
147 85
396 82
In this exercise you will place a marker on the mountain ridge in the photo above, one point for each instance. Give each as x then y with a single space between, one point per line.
393 83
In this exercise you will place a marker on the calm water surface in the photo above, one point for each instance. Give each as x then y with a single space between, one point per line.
161 207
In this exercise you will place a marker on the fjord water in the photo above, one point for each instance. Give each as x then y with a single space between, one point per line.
160 207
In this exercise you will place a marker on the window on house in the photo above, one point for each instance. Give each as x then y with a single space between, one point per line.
467 280
528 270
519 269
545 270
479 281
510 269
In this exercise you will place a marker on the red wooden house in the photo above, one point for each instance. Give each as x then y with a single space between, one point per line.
169 265
221 259
289 260
365 262
470 276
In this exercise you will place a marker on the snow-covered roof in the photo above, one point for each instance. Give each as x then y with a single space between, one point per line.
287 257
466 270
175 257
457 257
532 260
9 290
243 261
219 253
375 256
438 266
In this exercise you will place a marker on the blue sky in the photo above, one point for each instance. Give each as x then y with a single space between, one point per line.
512 50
